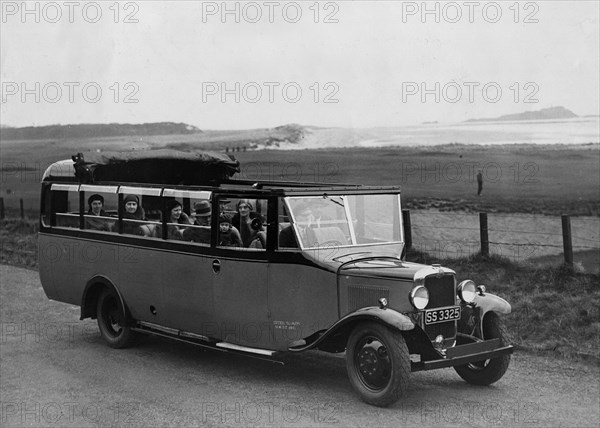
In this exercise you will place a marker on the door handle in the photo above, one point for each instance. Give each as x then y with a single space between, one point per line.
216 266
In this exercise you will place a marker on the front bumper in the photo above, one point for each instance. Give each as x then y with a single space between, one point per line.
463 354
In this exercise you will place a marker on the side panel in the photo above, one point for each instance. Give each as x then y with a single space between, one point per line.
66 264
240 290
302 300
178 286
186 301
362 291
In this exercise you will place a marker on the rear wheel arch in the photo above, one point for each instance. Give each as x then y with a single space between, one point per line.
91 293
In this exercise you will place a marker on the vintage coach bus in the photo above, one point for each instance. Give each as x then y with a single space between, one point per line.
326 274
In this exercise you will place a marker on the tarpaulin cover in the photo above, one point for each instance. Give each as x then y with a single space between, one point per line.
163 166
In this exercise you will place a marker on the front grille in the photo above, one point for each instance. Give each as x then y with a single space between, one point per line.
441 291
360 296
441 294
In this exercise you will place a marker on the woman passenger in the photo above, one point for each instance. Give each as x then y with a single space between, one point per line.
132 211
175 217
242 221
96 204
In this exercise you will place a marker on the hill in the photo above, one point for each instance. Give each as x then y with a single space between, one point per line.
95 130
543 114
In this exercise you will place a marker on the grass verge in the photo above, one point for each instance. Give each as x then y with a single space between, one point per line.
555 310
18 242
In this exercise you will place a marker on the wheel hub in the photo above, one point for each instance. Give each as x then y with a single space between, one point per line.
373 364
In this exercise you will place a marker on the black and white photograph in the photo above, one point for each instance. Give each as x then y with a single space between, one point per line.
301 213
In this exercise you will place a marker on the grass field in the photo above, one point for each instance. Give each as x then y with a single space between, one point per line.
553 179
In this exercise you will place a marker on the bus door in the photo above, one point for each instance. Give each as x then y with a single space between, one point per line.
241 301
139 278
240 278
186 276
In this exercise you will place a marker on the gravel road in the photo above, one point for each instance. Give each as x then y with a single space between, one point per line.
56 371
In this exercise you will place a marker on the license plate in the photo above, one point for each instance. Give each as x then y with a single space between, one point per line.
433 316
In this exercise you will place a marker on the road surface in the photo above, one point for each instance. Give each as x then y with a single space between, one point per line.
56 371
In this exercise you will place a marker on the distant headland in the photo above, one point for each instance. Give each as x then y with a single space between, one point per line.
543 114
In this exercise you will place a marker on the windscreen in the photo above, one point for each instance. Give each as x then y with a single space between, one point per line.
336 220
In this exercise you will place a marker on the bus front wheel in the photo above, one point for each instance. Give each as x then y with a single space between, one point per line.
378 363
112 322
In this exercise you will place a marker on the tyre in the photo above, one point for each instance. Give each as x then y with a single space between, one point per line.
488 371
378 363
111 321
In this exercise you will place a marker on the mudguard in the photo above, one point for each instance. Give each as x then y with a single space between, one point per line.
490 302
474 313
92 291
334 338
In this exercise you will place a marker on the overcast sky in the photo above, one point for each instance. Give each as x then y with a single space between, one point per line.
373 58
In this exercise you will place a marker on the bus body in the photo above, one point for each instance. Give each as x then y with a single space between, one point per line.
327 273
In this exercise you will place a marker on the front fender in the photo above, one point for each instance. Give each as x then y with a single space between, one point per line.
335 337
490 302
473 314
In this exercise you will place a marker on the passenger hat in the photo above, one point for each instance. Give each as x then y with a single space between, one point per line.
202 208
224 218
131 198
244 201
95 197
172 204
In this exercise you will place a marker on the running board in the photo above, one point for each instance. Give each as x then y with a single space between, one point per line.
231 346
205 342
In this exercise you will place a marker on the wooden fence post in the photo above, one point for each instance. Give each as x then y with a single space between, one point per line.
407 229
1 208
21 208
567 241
483 233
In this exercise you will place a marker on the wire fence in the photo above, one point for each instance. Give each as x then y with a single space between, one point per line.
518 237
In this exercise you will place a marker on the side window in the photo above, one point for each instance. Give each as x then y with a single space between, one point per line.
65 205
188 215
287 238
242 223
101 208
140 208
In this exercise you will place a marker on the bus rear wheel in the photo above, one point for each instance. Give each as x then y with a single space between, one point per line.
111 320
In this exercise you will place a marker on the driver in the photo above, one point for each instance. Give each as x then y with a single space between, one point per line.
304 218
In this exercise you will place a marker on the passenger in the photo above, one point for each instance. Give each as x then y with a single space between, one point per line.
96 205
303 218
259 239
229 236
201 230
242 221
132 211
175 216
